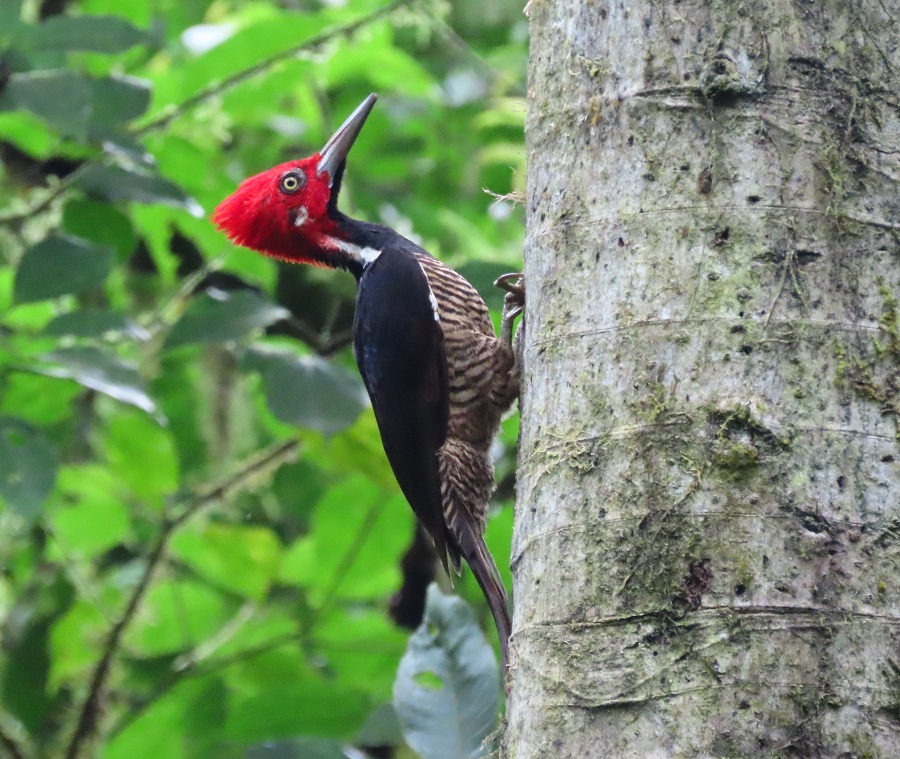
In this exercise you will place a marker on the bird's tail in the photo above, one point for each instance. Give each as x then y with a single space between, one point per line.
485 570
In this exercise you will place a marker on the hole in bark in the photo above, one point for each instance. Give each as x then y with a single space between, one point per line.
737 328
740 589
721 237
753 198
888 459
621 243
765 561
841 481
747 349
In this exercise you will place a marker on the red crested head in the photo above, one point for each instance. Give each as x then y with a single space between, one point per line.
288 211
281 212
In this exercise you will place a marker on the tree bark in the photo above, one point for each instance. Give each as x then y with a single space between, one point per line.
707 550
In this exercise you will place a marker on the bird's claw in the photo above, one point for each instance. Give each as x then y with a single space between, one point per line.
513 283
513 302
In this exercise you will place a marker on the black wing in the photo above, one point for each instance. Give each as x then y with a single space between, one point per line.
400 352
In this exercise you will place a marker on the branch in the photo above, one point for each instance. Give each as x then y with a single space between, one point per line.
322 345
167 117
88 717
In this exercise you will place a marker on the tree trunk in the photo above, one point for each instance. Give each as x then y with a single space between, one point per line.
707 550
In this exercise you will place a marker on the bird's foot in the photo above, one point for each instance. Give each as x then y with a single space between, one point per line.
513 303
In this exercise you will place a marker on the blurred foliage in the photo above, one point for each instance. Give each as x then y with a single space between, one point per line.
201 543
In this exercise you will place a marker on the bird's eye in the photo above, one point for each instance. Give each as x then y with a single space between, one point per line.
291 182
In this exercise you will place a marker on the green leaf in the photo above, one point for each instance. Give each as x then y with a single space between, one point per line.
101 371
447 684
141 455
353 551
94 324
37 399
101 223
28 132
60 97
119 183
177 615
97 34
311 705
218 316
60 266
307 391
118 99
73 642
27 468
216 549
95 517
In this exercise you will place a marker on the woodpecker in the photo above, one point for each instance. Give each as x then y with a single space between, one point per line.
438 376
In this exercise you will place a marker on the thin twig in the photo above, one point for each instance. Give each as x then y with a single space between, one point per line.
164 119
88 717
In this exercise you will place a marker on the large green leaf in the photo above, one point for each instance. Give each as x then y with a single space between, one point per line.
121 183
307 391
27 468
447 686
59 265
94 516
101 223
359 534
98 34
141 455
118 99
217 316
215 549
76 104
99 370
177 615
94 324
311 705
60 97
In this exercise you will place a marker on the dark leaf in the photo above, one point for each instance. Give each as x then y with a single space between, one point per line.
219 315
447 684
27 468
94 324
307 391
100 223
118 99
101 371
60 265
60 97
96 34
119 183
